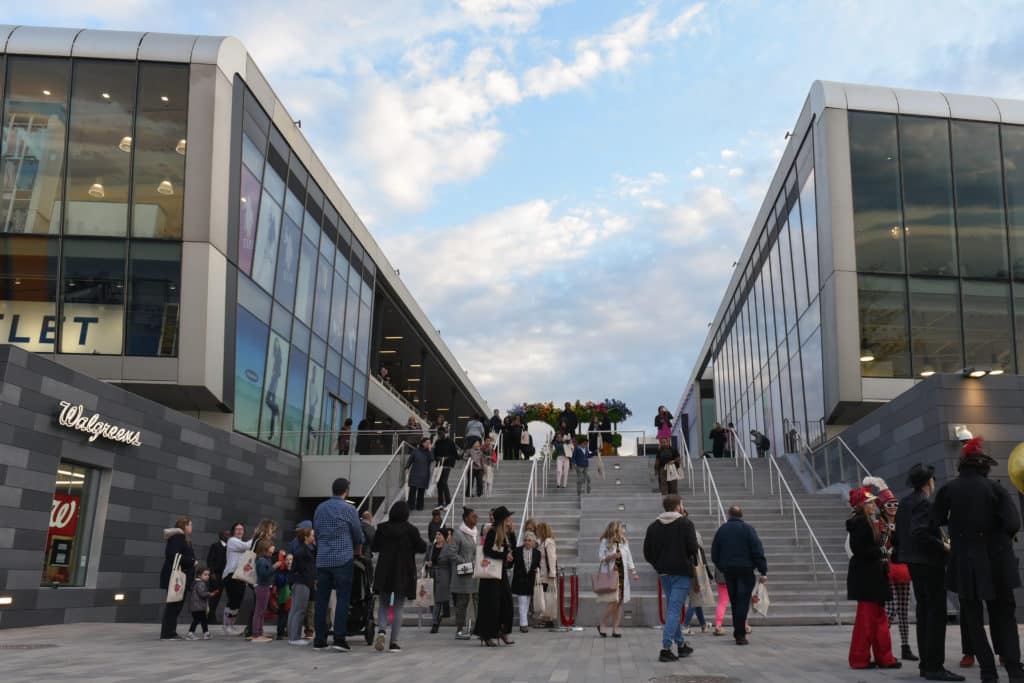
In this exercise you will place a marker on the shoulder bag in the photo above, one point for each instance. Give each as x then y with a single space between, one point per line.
487 567
176 584
424 590
246 569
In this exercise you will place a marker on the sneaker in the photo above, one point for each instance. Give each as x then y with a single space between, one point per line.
207 636
300 642
378 642
687 631
191 636
667 656
320 647
261 639
684 651
705 628
462 636
341 646
393 648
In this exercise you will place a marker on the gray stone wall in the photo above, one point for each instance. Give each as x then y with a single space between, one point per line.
184 467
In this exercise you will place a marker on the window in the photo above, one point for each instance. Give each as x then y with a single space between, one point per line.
159 151
92 296
153 297
874 171
808 212
927 196
1018 310
273 389
265 255
935 325
977 170
814 390
307 279
883 326
987 332
294 433
337 326
322 300
248 213
288 263
69 536
1013 165
99 151
250 363
28 292
35 125
311 442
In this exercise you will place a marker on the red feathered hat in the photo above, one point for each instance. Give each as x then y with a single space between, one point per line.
974 453
860 496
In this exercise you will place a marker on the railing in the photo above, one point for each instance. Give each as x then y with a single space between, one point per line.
393 390
814 546
391 479
835 463
708 482
460 487
688 463
744 462
529 504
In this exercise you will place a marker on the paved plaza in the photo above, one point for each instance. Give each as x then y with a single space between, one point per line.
131 652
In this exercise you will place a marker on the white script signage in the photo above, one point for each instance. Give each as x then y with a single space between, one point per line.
74 417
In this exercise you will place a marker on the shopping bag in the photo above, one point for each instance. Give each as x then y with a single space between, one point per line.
404 494
551 603
434 477
702 593
539 599
424 591
487 567
246 569
671 473
176 585
760 601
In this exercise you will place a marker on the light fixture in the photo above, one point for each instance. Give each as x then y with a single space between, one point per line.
927 373
165 187
118 597
165 98
180 147
415 365
105 95
46 92
96 189
895 232
126 144
6 600
866 356
442 410
414 379
384 351
392 338
997 371
17 281
66 473
976 373
462 417
408 391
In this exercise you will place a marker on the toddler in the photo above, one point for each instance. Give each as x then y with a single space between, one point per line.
198 604
284 593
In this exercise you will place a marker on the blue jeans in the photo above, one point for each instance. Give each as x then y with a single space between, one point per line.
690 611
327 579
676 589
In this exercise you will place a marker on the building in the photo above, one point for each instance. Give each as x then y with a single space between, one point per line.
175 258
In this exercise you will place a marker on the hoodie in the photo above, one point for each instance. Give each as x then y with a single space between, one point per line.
670 545
177 544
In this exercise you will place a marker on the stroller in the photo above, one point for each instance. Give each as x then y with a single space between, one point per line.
361 604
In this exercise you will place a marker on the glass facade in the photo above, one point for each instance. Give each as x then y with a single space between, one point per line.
92 163
305 298
69 536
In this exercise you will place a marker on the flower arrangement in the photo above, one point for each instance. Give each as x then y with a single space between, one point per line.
615 410
618 411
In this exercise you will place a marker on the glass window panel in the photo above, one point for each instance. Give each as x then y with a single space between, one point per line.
322 301
333 360
273 175
318 349
273 389
1013 165
927 196
254 299
93 296
282 321
883 326
265 255
300 337
257 133
337 312
978 177
787 398
69 536
362 359
1018 310
810 320
248 214
295 401
808 214
935 325
159 150
99 159
35 125
252 156
799 262
778 295
288 263
311 417
307 279
154 294
874 173
769 311
796 375
293 205
351 326
28 292
250 363
255 112
814 390
987 332
786 260
348 372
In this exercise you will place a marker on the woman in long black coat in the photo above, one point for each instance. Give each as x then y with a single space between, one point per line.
494 603
397 542
179 541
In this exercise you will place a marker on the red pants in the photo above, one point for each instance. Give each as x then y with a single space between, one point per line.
871 632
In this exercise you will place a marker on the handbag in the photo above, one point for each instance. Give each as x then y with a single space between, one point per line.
701 593
487 567
424 591
539 599
671 473
760 601
603 583
246 569
176 584
464 569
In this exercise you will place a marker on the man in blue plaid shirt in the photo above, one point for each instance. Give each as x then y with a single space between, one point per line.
339 538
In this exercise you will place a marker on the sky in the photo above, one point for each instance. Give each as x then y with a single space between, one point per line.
565 185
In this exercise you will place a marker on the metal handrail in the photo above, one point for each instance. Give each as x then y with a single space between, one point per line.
814 543
384 470
748 467
529 505
709 485
689 465
824 480
459 486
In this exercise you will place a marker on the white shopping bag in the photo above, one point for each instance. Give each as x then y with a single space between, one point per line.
760 601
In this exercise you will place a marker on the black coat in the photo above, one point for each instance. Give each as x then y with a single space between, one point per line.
982 521
303 566
397 544
671 548
177 543
523 577
918 539
216 560
445 452
571 420
867 578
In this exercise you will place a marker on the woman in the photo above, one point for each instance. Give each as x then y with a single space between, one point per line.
179 542
867 582
460 554
345 437
397 542
593 433
667 456
525 564
235 589
548 573
614 553
445 457
494 618
663 421
898 606
265 531
441 571
562 456
419 473
718 438
529 526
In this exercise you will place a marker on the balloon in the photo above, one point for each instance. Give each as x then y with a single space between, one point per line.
1016 467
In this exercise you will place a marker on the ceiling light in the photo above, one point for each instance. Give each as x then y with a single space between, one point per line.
415 365
165 98
975 373
180 147
442 410
46 92
392 338
66 473
866 357
408 391
17 281
997 371
6 600
462 417
96 190
414 379
106 95
165 187
126 144
383 351
118 597
927 373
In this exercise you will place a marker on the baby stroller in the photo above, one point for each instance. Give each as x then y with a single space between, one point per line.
360 611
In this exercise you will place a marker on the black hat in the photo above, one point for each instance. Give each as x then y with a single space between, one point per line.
920 474
501 513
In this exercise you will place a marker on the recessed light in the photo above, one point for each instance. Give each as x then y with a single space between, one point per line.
977 373
46 92
866 357
415 365
384 351
106 95
118 597
414 379
997 371
165 187
165 98
392 338
6 600
927 373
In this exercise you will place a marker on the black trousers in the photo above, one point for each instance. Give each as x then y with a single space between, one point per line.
1003 625
416 498
218 586
929 584
199 619
169 623
476 482
740 583
444 494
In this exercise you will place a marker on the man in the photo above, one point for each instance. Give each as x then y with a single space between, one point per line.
445 457
434 525
918 543
737 552
982 521
581 461
495 426
569 417
216 560
670 546
667 455
474 430
339 538
761 443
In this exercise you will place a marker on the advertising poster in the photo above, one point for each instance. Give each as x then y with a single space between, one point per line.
250 357
60 538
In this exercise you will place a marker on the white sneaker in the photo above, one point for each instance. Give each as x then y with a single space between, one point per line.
687 631
207 636
191 636
300 642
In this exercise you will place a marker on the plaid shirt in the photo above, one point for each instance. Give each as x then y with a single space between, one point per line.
338 531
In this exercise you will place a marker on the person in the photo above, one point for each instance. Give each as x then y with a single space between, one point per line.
494 615
738 551
563 456
396 543
761 443
264 581
593 434
283 568
867 582
718 438
667 455
434 525
235 549
475 455
982 522
419 466
216 560
368 529
495 425
698 610
730 445
441 571
581 462
525 565
199 604
302 579
474 430
569 417
548 572
613 553
606 433
266 529
530 525
440 423
178 541
670 546
722 603
339 537
345 437
526 444
515 433
446 455
460 553
663 423
899 574
490 464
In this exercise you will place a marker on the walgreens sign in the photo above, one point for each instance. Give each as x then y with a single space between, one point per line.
74 417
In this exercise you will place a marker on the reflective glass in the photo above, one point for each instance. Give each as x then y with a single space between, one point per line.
92 296
254 299
273 389
69 537
274 173
34 130
337 328
28 292
311 416
1018 311
977 171
814 390
248 214
935 325
769 313
799 263
883 326
987 325
154 293
250 359
265 255
307 279
874 172
322 298
809 218
294 432
252 156
928 196
776 296
1013 166
796 379
159 150
288 263
99 161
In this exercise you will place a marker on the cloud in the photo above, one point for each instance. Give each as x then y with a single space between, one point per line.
697 173
708 210
728 154
735 172
517 15
634 188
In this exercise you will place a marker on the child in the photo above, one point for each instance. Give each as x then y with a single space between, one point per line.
525 564
303 573
284 592
442 572
198 602
265 574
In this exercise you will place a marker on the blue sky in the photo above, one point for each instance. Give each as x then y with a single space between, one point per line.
565 185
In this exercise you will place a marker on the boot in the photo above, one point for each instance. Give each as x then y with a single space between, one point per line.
908 654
